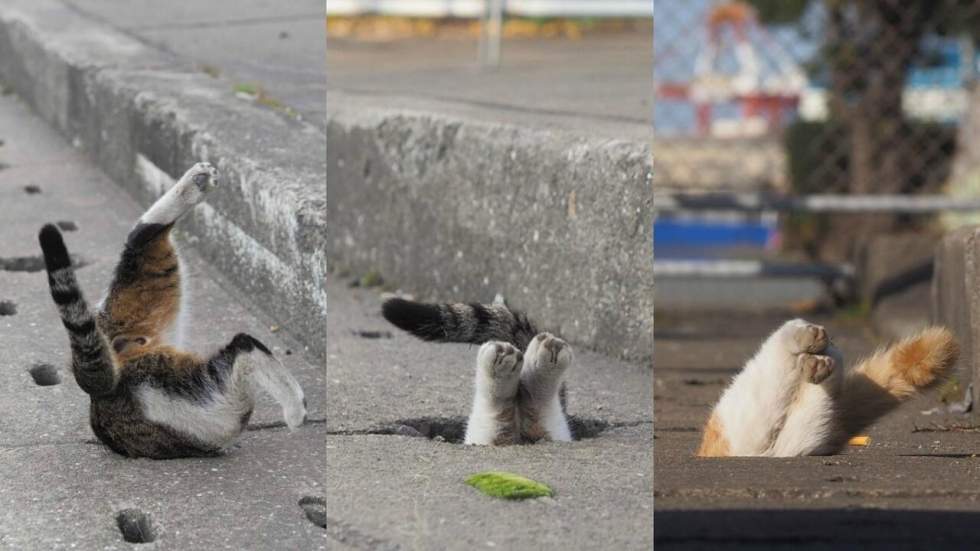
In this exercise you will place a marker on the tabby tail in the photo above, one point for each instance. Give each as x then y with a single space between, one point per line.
472 323
92 360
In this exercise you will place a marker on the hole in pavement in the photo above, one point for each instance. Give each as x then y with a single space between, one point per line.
135 526
453 429
586 427
315 509
33 263
67 225
32 190
8 308
45 374
443 429
364 334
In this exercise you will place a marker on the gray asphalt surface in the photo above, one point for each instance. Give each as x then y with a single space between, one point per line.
916 486
61 489
408 491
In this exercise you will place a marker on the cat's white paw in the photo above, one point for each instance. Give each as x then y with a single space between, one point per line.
548 352
196 183
500 363
805 337
295 413
815 368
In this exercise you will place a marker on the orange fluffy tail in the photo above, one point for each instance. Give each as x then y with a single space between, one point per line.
890 376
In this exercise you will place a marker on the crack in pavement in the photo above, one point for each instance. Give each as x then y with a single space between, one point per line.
386 431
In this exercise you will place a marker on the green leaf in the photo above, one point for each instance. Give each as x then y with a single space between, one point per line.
508 485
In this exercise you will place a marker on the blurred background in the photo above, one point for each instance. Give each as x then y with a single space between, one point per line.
810 151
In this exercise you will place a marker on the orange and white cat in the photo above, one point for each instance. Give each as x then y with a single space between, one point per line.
793 397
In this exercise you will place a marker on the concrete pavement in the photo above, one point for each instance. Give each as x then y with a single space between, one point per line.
60 488
916 486
391 491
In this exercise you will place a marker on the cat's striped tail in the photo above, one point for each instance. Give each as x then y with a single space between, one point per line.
92 361
470 323
890 376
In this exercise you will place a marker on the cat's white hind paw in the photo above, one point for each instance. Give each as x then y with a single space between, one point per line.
196 183
806 337
190 190
295 414
547 354
499 364
815 368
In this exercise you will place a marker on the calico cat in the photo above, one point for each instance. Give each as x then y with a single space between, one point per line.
519 397
148 397
793 397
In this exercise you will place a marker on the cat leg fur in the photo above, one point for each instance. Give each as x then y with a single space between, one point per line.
493 419
754 408
540 409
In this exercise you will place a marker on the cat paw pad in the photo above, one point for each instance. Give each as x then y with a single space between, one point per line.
815 368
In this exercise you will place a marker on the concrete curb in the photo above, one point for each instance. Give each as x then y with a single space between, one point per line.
956 298
452 204
144 117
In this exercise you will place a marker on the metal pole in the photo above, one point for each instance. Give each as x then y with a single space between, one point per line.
491 24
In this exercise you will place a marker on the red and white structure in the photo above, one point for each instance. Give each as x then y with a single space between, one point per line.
764 96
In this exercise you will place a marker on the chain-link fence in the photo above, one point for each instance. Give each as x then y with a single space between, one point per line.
801 97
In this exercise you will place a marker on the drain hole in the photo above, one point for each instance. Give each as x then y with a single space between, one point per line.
453 429
45 374
315 509
443 429
135 526
67 225
32 190
33 263
7 308
584 427
372 334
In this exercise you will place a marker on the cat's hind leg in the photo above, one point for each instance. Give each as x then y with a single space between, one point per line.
753 409
211 401
145 297
493 419
542 414
812 419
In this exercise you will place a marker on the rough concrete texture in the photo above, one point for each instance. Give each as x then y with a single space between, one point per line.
956 297
68 488
453 206
528 180
145 115
388 491
913 487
